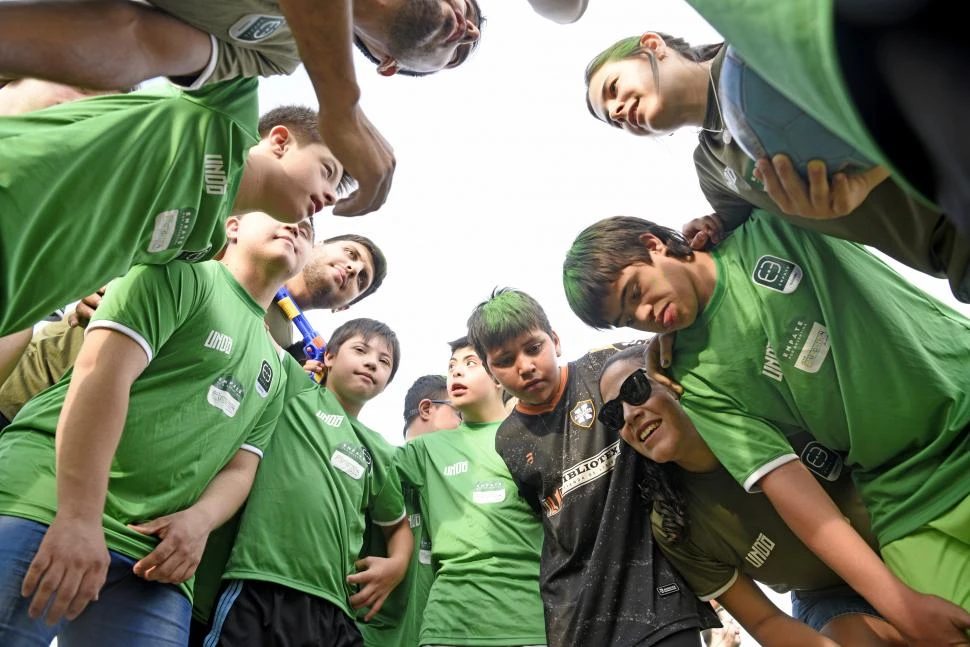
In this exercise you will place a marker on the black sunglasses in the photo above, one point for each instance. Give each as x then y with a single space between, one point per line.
635 390
448 402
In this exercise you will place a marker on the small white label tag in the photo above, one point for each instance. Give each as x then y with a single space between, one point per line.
815 350
347 465
488 496
165 225
223 401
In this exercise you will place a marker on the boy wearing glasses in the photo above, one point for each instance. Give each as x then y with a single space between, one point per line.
485 541
601 579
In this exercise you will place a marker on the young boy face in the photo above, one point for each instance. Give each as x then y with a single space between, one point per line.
654 297
360 369
527 367
468 381
269 241
304 176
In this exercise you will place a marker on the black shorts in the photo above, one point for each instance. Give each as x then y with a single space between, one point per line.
251 613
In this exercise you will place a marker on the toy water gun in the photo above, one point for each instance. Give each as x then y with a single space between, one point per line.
313 345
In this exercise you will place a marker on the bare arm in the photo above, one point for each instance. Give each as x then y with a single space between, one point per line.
12 346
102 44
766 622
184 534
814 518
323 31
72 561
378 576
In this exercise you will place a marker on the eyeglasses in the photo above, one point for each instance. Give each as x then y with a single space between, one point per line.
448 402
635 390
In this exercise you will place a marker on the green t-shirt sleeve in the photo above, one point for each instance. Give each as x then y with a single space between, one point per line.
409 461
235 98
148 304
707 576
258 439
386 506
748 447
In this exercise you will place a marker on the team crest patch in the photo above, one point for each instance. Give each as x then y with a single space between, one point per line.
264 380
777 274
171 229
821 460
583 414
486 492
256 27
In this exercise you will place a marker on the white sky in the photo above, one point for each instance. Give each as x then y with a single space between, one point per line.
499 167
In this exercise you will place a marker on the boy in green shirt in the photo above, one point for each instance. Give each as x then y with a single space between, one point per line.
165 168
426 410
485 539
776 331
158 431
291 571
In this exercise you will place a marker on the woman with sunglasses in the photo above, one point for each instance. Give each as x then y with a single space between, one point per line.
723 539
656 84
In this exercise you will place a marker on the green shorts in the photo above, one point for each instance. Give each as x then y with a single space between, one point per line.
935 558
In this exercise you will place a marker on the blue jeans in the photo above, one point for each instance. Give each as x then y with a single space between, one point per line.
130 611
818 608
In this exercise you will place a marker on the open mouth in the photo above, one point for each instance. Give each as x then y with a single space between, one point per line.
458 389
645 432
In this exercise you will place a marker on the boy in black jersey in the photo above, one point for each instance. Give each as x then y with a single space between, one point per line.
602 580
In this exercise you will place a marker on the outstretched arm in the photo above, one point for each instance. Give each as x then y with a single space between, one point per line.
814 518
323 30
101 44
70 566
766 622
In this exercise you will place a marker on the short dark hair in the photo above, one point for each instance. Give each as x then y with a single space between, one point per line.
426 387
302 122
367 329
373 59
507 314
461 342
603 250
380 261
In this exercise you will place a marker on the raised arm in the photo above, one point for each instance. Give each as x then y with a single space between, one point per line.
323 30
814 518
71 564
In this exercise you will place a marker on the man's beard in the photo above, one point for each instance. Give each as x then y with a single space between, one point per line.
322 294
416 21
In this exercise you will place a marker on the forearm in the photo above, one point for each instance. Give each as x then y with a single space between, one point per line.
784 631
323 31
104 44
400 546
12 346
226 493
88 433
816 520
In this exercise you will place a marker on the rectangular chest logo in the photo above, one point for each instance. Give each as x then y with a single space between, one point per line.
777 274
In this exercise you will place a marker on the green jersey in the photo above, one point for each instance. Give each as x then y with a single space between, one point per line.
804 331
115 180
485 541
212 386
303 525
890 219
398 623
733 532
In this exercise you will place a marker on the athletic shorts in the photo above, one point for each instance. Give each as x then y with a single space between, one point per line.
252 613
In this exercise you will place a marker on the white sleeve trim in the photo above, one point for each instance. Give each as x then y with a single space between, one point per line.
210 67
721 591
761 472
252 449
124 330
404 514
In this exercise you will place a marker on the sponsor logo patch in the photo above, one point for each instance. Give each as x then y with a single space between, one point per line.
171 229
347 465
760 551
590 469
822 461
815 350
668 589
583 414
777 274
226 394
424 553
330 419
461 467
256 27
487 492
264 380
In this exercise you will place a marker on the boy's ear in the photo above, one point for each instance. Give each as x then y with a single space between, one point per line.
280 139
388 66
555 341
424 409
232 229
651 242
328 358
